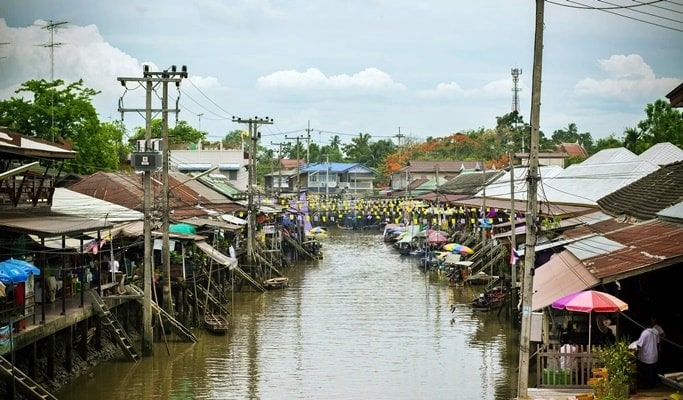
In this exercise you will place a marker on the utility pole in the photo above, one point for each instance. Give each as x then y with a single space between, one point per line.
199 116
147 160
483 205
254 136
298 163
279 166
308 142
532 182
516 72
51 26
400 136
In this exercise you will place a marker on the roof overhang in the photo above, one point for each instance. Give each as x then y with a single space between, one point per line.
564 274
216 255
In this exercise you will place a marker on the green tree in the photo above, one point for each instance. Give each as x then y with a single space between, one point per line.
663 124
234 139
182 132
56 111
609 142
572 135
359 149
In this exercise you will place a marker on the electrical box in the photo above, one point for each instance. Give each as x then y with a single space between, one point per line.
146 161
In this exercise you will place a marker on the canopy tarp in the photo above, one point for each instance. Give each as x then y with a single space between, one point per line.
216 255
562 275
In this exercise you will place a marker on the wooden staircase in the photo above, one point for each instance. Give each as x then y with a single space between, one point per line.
248 278
215 303
299 248
24 382
181 330
114 326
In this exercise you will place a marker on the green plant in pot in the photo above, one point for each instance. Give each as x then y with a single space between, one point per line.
620 362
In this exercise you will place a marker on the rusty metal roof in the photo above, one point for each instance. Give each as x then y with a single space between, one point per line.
22 146
126 189
645 247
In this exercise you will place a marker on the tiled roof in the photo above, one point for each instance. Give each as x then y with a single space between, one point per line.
288 164
573 149
469 183
443 166
639 200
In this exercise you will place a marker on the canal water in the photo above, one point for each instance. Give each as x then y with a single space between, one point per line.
363 323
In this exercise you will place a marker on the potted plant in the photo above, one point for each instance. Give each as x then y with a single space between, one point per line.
620 362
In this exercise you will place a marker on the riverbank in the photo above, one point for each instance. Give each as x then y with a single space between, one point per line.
109 351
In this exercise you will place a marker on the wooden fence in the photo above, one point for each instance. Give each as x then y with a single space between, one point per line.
564 369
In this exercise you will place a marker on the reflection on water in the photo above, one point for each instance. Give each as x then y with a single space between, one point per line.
364 323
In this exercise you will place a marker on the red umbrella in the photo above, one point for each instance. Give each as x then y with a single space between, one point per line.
590 301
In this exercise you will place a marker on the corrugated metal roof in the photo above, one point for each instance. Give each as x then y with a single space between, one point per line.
587 183
662 154
607 156
336 167
49 224
500 187
69 202
25 146
672 213
592 246
646 246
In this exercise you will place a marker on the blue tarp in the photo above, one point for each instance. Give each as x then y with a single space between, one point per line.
16 271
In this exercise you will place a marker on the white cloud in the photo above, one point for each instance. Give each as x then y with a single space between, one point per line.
629 79
452 90
369 80
203 83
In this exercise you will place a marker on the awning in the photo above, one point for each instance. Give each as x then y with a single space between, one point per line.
212 223
216 255
555 243
233 219
564 274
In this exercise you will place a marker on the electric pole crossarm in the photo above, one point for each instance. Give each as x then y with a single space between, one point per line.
254 136
149 81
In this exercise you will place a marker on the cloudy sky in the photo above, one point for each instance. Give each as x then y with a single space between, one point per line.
426 68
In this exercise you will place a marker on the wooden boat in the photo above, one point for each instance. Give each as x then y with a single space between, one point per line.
217 324
276 283
490 300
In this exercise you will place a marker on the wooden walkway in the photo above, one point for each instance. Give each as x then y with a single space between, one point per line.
659 392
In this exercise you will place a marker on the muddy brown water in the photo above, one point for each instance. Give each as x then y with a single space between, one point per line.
363 323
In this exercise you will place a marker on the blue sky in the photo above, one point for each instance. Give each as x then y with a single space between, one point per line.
428 68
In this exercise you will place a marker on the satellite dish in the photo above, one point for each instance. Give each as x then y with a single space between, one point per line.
603 323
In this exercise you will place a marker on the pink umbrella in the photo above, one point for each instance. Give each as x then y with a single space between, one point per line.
590 301
437 237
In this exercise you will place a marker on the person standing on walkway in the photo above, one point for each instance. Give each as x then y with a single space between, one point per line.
648 354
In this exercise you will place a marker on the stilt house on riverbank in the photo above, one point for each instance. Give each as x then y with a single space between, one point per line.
86 242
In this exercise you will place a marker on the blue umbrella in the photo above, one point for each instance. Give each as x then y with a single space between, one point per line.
26 266
11 274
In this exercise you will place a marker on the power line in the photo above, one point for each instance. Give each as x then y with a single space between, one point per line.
610 10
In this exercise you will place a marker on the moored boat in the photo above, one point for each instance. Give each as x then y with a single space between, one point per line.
276 283
489 300
217 324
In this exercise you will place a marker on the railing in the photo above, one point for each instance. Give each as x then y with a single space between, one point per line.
564 369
